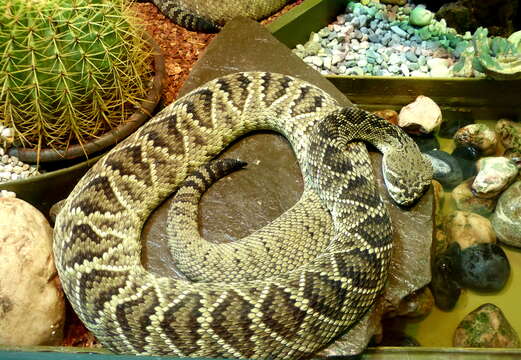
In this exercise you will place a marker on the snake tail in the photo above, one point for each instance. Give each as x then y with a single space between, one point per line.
184 18
202 178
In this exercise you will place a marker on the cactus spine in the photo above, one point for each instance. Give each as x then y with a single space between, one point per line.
69 70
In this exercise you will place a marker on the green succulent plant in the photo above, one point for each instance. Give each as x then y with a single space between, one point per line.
70 70
499 57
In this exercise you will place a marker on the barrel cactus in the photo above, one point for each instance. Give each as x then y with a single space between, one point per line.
70 70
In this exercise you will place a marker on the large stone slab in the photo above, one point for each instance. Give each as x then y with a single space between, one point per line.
247 200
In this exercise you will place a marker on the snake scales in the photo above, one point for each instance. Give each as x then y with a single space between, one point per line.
289 314
210 15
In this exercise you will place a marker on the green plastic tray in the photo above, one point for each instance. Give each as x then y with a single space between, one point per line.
499 98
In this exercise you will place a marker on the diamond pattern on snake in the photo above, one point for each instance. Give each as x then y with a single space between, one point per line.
211 15
281 312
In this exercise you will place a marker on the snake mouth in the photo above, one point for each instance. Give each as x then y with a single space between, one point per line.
417 194
406 196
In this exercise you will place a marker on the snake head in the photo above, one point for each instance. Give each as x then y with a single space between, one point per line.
407 175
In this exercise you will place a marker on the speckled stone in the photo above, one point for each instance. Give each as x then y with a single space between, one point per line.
486 327
506 219
478 135
465 200
495 175
510 134
468 229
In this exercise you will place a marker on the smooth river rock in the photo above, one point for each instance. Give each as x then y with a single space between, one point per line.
32 308
510 135
486 327
418 304
445 271
467 156
484 267
469 229
465 200
423 115
506 219
446 169
495 175
426 142
479 136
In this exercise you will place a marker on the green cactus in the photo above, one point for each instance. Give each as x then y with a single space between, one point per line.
70 70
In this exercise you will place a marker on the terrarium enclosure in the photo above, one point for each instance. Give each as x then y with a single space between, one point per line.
468 220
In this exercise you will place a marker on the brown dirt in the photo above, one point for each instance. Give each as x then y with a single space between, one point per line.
180 47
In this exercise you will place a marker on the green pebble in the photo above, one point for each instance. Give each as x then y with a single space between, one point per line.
425 34
444 42
476 65
414 66
371 11
420 16
459 65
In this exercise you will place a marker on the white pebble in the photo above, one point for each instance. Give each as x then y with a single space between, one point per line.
327 63
7 194
404 69
336 59
362 62
439 67
7 133
419 73
317 61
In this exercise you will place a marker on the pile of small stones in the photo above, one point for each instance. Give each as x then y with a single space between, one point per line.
385 40
11 168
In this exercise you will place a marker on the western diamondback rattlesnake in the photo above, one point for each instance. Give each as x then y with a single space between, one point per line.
289 314
211 15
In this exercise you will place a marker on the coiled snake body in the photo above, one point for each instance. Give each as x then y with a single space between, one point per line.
292 312
210 15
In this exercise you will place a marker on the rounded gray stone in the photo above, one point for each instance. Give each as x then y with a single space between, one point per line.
506 219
